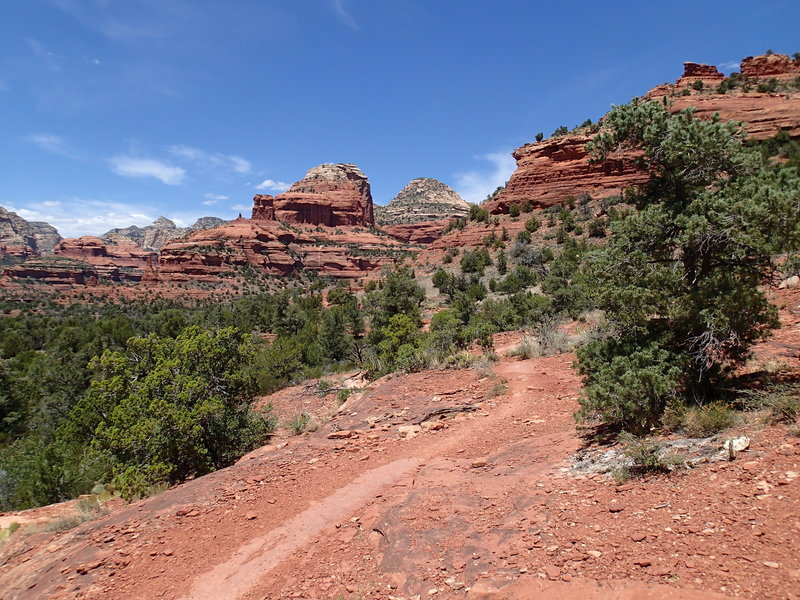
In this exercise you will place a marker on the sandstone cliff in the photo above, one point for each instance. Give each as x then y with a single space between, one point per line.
551 170
331 194
277 249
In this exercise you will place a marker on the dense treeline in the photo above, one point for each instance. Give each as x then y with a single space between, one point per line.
141 393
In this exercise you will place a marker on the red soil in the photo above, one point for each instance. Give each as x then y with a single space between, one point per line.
478 504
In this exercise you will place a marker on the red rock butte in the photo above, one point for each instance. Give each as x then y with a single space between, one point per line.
550 171
331 194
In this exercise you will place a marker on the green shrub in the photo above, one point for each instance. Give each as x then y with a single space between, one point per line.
708 420
627 387
532 224
783 404
647 455
514 210
299 423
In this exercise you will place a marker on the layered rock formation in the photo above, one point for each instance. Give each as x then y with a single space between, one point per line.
709 75
21 238
421 211
332 195
779 66
550 171
277 249
422 199
153 237
86 260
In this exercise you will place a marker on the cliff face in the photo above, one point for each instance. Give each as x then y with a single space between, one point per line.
46 236
779 66
277 249
17 236
549 171
87 260
332 195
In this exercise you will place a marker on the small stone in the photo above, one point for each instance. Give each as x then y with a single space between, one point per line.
615 508
251 516
638 536
168 552
643 562
770 564
552 572
477 464
341 434
594 553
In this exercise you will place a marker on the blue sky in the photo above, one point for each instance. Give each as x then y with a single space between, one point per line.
117 111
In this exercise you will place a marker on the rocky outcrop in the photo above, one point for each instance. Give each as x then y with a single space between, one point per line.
204 223
421 200
709 75
332 195
276 248
550 171
47 236
87 260
116 262
17 236
779 66
423 232
153 237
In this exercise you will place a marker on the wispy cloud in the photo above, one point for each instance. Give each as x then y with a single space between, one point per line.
52 143
339 8
130 166
271 185
240 207
474 186
80 216
230 162
730 66
212 199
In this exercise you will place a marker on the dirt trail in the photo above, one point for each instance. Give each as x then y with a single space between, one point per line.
229 580
473 506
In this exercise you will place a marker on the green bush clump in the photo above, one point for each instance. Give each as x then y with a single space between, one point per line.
680 281
708 420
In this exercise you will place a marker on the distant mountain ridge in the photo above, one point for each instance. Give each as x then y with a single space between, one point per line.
161 231
22 238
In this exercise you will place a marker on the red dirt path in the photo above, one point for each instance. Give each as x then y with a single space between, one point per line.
474 506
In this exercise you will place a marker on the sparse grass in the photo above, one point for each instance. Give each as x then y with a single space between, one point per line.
707 420
300 423
527 348
342 396
499 388
323 387
647 455
783 404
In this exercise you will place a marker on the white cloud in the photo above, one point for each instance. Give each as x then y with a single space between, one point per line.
52 143
729 67
341 12
240 207
273 186
229 162
129 166
474 186
213 199
79 216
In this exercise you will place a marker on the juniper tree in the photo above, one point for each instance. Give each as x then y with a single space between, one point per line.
681 280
